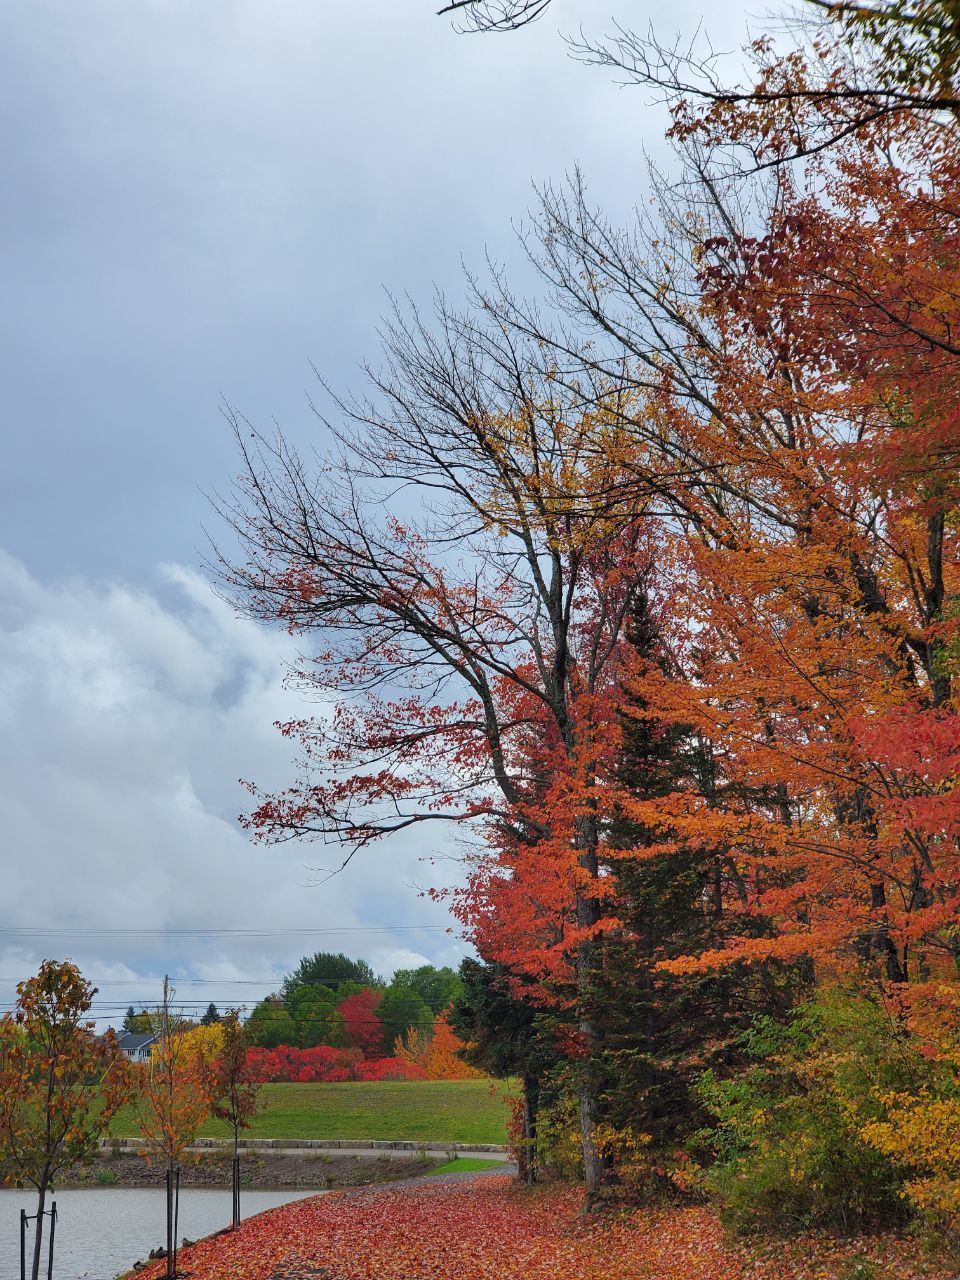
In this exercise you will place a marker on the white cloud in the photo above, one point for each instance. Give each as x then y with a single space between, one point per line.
125 724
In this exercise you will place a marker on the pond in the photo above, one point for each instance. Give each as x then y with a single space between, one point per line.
104 1231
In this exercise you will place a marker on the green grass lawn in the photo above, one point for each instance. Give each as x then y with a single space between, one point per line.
415 1111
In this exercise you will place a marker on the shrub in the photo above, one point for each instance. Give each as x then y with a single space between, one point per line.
919 1128
391 1069
921 1135
788 1141
558 1146
642 1174
325 1065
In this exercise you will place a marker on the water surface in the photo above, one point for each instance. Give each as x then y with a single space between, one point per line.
104 1231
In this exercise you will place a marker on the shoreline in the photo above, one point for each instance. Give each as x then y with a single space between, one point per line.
287 1169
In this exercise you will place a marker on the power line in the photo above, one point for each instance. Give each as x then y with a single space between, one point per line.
106 1011
216 982
83 932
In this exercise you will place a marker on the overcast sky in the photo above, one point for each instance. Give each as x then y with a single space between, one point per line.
199 198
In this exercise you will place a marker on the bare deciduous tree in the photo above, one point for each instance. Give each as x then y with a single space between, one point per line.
485 604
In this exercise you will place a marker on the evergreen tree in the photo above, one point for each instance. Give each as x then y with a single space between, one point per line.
137 1023
211 1016
661 1031
506 1036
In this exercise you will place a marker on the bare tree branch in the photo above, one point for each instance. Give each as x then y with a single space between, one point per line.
496 15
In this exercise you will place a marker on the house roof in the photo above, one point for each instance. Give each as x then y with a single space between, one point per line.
133 1040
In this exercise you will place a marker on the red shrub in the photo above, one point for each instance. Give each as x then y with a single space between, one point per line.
390 1069
324 1065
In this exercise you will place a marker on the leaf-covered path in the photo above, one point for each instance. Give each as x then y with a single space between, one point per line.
486 1229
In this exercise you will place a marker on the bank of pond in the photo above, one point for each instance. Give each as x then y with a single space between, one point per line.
102 1231
111 1210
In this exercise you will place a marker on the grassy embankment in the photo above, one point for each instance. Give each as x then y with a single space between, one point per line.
429 1111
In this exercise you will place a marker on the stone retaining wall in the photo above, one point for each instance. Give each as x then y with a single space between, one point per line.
309 1144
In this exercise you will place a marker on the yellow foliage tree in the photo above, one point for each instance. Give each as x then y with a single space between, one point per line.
921 1130
203 1043
922 1134
60 1083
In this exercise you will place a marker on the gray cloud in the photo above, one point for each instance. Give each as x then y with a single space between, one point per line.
198 199
124 726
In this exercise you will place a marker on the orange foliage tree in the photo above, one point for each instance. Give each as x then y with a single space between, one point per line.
829 598
437 1052
60 1083
172 1100
233 1089
790 377
755 418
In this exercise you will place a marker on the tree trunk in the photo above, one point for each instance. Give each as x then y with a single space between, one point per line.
881 944
38 1234
171 1228
528 1154
236 1179
588 913
593 1163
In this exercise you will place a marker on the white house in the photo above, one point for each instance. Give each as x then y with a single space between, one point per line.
136 1044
